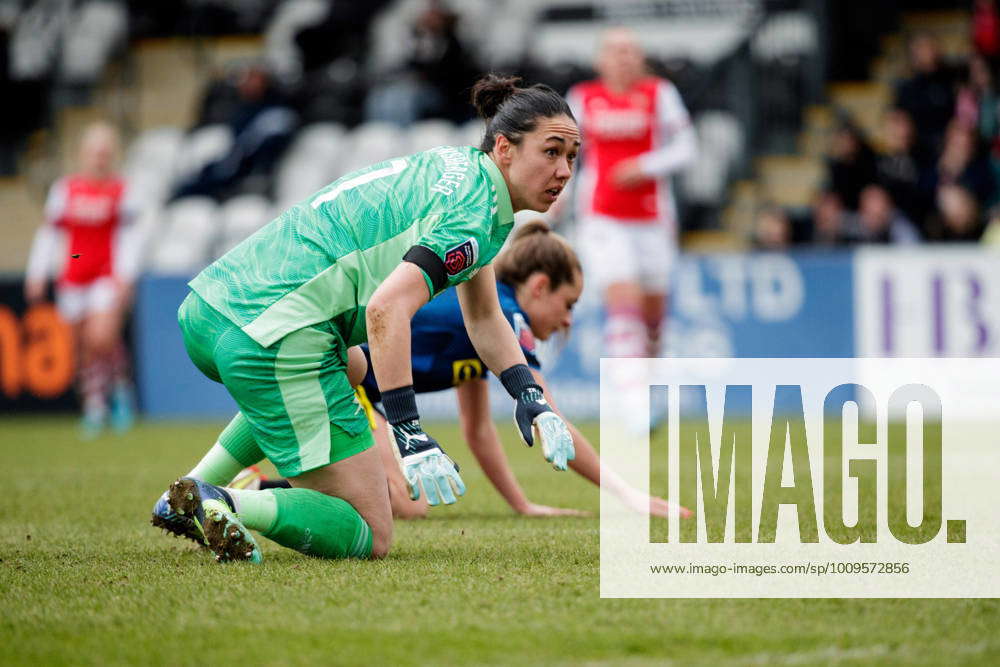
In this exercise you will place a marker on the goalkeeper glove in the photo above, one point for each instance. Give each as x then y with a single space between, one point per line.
423 462
535 419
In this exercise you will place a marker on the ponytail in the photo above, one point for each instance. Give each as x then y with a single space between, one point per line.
513 111
534 248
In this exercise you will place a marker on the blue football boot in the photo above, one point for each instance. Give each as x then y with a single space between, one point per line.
214 516
122 407
167 519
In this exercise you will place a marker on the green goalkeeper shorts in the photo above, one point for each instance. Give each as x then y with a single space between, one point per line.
295 394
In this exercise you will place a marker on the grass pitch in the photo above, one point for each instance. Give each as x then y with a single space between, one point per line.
84 579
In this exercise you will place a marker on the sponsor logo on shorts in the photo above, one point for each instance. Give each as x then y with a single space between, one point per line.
464 370
461 257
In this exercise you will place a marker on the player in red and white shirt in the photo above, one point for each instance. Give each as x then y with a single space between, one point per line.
89 232
637 133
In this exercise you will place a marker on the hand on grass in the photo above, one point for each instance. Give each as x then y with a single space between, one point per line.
531 509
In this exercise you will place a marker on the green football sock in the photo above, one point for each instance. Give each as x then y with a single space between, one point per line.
235 450
217 467
238 440
257 509
319 525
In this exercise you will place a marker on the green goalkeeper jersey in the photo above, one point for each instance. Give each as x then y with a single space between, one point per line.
447 210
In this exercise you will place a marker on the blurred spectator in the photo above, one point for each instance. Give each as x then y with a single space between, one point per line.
958 215
986 28
262 124
344 32
927 95
829 220
879 221
435 80
898 168
772 229
962 164
976 101
991 235
850 165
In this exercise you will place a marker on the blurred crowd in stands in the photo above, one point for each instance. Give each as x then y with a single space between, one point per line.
932 173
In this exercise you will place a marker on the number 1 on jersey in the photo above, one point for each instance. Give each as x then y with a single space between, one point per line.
394 167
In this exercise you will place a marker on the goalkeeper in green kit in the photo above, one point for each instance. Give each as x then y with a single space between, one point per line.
273 318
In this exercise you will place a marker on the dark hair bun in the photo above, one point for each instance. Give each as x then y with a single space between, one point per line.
491 91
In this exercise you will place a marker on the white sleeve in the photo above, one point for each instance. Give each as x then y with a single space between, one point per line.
674 126
575 102
129 244
40 260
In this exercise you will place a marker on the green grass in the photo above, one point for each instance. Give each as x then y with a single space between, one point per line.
84 579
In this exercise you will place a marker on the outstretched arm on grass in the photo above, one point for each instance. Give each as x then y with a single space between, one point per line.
484 441
588 464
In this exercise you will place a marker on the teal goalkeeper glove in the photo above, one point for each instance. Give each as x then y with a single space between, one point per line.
535 419
425 465
423 462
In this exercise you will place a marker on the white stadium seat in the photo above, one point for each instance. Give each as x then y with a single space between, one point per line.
241 216
720 143
313 160
373 142
319 143
97 29
149 163
289 18
35 39
154 148
297 180
189 227
430 133
204 145
469 133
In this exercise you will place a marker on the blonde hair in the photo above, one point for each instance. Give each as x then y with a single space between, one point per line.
535 247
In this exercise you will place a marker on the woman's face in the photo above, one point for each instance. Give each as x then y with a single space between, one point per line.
548 310
538 168
621 60
98 152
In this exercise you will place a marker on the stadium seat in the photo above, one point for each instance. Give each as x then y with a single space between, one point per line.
299 179
721 133
189 227
35 39
373 142
200 147
154 148
469 133
322 140
241 216
96 30
427 134
720 144
149 163
391 34
313 160
289 18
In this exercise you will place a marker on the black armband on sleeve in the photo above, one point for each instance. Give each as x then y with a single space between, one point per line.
430 263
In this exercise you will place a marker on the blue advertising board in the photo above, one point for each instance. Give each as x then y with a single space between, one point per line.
872 302
168 383
727 305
